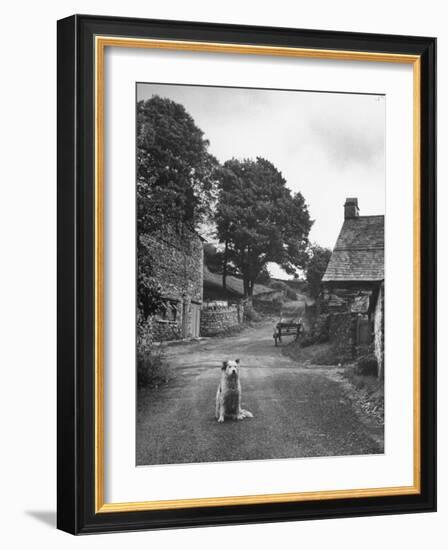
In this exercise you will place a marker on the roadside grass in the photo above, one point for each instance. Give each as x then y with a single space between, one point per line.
369 383
369 391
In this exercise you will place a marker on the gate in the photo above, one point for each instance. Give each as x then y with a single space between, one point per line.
195 320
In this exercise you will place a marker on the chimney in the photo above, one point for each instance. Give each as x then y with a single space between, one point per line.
351 209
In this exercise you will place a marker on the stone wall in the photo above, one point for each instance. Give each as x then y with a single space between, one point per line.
378 321
342 334
217 317
177 263
316 326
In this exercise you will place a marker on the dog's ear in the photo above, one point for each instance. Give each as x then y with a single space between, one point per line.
224 365
237 361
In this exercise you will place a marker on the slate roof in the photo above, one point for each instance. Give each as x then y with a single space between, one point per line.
234 285
359 251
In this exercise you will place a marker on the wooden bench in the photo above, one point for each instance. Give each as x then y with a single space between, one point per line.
287 329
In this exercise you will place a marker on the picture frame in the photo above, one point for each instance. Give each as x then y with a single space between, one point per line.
82 42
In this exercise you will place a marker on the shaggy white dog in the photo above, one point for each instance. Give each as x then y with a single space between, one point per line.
228 396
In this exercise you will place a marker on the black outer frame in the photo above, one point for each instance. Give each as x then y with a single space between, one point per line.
75 403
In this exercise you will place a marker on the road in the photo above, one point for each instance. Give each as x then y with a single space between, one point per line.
299 410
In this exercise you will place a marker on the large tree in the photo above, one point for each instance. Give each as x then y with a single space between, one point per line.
316 267
259 220
175 182
175 171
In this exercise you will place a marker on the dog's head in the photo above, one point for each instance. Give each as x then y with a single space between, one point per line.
231 368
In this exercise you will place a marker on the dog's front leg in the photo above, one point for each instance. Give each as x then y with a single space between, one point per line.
217 402
219 411
240 413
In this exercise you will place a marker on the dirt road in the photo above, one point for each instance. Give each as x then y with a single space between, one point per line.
299 410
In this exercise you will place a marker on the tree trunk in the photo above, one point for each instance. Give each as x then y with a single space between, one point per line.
245 286
224 265
250 288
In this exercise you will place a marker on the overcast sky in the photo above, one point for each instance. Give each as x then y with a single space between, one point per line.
328 146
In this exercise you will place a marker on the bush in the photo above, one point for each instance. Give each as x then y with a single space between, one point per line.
152 368
251 315
367 365
307 339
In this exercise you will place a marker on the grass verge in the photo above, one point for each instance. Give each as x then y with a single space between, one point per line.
369 391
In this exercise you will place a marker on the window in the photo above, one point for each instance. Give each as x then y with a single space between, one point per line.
168 311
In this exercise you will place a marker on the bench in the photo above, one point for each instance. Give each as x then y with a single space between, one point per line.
287 329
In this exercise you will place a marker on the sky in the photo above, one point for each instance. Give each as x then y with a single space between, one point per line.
328 146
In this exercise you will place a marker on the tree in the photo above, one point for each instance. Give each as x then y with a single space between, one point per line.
175 172
212 257
316 266
175 182
259 220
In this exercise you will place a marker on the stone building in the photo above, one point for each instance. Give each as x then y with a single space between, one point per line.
177 262
352 294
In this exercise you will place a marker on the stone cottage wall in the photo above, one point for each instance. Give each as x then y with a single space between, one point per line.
164 331
378 322
177 263
216 318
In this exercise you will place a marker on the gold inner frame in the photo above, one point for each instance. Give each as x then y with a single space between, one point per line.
101 42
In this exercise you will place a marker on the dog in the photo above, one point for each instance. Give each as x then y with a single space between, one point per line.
228 396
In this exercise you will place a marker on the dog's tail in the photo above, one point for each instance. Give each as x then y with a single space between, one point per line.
246 414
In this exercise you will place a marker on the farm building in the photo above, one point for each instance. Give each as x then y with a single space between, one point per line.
177 263
352 295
